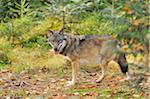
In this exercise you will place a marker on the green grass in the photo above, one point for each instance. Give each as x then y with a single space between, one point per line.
33 58
103 92
96 24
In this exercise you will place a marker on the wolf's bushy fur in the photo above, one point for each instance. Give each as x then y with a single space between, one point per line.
88 50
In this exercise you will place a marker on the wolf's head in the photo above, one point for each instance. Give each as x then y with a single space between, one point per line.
57 40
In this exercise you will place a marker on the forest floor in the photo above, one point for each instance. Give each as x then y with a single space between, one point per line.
51 84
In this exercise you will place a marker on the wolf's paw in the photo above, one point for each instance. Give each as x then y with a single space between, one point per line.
98 80
125 79
70 83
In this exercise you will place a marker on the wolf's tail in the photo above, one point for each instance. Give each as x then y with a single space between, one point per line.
123 62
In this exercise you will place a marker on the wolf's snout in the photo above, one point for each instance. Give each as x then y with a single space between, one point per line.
56 50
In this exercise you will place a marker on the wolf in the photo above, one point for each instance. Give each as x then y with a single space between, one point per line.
97 50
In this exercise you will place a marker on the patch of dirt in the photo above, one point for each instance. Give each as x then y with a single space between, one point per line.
44 83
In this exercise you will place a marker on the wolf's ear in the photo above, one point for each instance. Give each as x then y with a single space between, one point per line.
50 32
61 31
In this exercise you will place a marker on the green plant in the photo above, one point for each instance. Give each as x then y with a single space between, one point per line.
96 24
16 27
21 8
5 51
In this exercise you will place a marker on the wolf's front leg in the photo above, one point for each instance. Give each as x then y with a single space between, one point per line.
74 74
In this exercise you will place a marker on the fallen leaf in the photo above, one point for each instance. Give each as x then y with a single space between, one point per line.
136 23
53 81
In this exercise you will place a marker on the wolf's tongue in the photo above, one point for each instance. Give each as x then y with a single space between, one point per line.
56 52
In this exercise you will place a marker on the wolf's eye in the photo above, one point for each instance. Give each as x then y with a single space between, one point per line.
60 41
51 40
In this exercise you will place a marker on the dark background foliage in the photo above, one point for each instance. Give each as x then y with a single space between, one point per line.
25 22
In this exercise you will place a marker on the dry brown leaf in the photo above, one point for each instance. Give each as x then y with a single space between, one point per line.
136 23
126 8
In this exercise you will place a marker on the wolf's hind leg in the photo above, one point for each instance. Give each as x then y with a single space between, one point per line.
101 76
103 69
128 77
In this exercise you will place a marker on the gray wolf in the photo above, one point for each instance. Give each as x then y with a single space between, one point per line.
96 50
